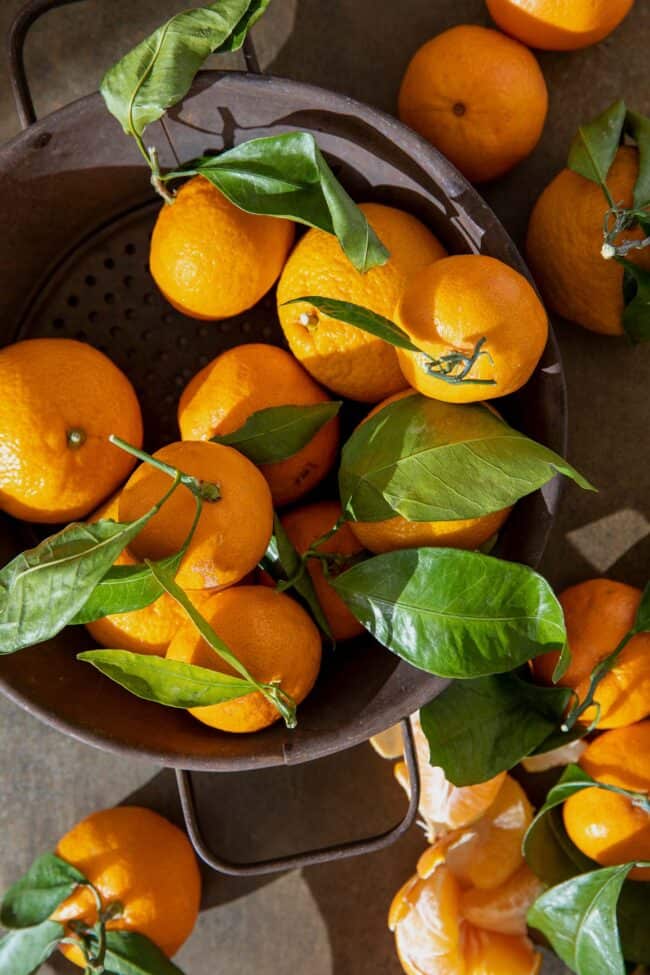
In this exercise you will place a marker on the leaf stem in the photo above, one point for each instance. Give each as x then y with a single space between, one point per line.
156 178
444 366
597 675
205 490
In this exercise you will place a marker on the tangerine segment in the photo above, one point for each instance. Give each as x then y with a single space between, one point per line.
502 909
489 953
233 532
212 260
59 401
248 378
271 635
424 917
451 305
343 358
134 856
559 25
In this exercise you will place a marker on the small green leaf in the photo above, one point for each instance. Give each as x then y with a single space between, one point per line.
169 682
278 432
432 461
563 664
478 728
287 176
368 321
579 919
124 589
636 293
236 39
454 613
595 146
130 953
33 898
642 621
638 127
23 952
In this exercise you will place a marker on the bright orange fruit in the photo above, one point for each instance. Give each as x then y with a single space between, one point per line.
559 25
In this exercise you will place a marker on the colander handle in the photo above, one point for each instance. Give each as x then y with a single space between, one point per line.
309 858
26 17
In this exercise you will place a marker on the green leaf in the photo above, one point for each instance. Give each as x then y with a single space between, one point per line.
633 922
579 919
169 682
124 589
478 728
638 127
454 613
33 898
23 952
278 432
636 293
595 146
549 852
158 72
563 664
236 39
360 317
287 176
432 461
130 953
642 620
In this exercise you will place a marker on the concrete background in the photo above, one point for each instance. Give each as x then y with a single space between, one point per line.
332 919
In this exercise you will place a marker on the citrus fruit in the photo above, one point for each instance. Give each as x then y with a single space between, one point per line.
343 358
248 378
559 25
564 241
502 909
134 856
598 614
450 306
233 531
389 743
490 953
606 826
398 532
59 401
212 260
477 96
271 635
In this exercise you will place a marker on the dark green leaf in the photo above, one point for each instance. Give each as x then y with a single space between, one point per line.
432 461
563 664
596 144
639 128
170 682
287 176
633 922
579 919
550 853
278 432
360 317
478 728
636 292
454 613
158 72
642 621
124 589
23 952
33 898
559 739
130 953
236 39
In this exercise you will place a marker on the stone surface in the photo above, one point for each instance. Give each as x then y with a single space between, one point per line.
332 919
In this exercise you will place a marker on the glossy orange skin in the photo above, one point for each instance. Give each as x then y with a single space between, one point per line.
271 635
248 378
50 388
232 533
343 358
134 856
477 96
598 614
559 25
212 260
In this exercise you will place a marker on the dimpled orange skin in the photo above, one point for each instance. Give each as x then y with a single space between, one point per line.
343 358
248 378
212 260
605 826
452 304
232 533
397 533
559 25
598 614
50 388
477 96
134 856
271 635
565 236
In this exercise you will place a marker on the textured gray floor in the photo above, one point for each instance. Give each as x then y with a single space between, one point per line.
332 919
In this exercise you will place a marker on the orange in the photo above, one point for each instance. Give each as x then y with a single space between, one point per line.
271 635
502 909
59 401
489 953
212 260
255 377
565 236
598 614
134 856
559 25
232 533
608 827
478 96
452 304
343 358
398 532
